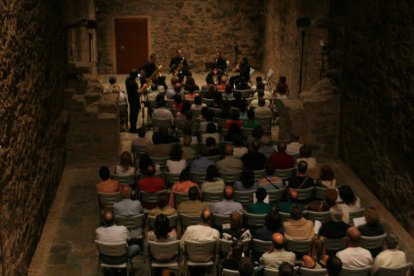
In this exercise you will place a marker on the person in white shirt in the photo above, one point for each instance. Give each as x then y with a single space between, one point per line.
390 257
125 166
176 163
294 146
354 256
162 113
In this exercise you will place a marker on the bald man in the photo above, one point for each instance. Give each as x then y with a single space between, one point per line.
285 205
229 163
278 254
227 206
354 256
111 233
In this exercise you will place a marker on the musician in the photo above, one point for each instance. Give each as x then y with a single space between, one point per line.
214 76
175 62
220 62
149 68
244 73
133 99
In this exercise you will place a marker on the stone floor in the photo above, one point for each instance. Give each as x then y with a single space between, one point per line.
67 243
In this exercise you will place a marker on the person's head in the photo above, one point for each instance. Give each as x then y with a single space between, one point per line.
296 212
186 107
235 221
336 214
334 265
228 192
246 267
228 149
211 128
178 99
234 114
144 162
112 80
286 269
281 147
177 87
317 248
126 159
198 100
187 139
331 195
305 151
391 241
212 173
273 221
162 201
206 216
259 79
104 173
261 194
179 53
141 132
157 138
261 102
302 167
161 226
176 153
371 216
193 193
125 191
153 58
257 132
255 145
269 168
133 74
278 241
185 174
353 236
293 194
210 142
327 173
154 87
247 178
347 194
108 217
260 94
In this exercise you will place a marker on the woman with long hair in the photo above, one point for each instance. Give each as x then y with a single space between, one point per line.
125 166
236 230
316 257
246 182
213 183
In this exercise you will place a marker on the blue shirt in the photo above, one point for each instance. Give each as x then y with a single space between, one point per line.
201 164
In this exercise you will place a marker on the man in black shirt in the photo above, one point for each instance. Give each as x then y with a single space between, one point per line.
175 62
133 99
149 68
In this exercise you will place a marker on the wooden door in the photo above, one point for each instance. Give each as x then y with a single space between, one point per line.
131 43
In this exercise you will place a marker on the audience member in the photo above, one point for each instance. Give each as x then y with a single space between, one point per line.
324 205
270 181
202 162
162 207
151 183
212 149
190 85
162 231
193 206
354 256
286 269
227 206
236 230
234 130
213 183
158 149
234 119
229 163
251 121
266 147
333 266
246 183
391 257
198 103
316 258
188 152
372 227
272 225
107 185
141 140
300 180
176 163
292 199
294 146
182 186
347 201
277 255
327 178
144 162
260 96
125 166
178 103
282 89
238 147
298 228
263 110
211 133
280 159
238 101
233 258
334 228
260 207
305 154
161 112
254 160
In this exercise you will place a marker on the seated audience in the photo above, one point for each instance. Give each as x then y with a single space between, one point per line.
294 146
282 89
127 208
246 183
316 257
182 186
151 183
305 154
277 255
211 132
347 201
354 256
144 162
176 89
162 207
327 178
190 85
176 163
270 181
158 149
280 159
266 147
166 137
238 101
298 228
227 206
161 112
286 269
334 266
254 160
188 151
233 132
260 96
193 206
334 228
228 94
234 119
263 111
229 163
372 227
107 185
212 149
391 257
141 140
238 147
198 103
213 183
300 180
209 119
259 207
182 113
162 231
178 103
251 121
272 225
233 258
292 199
236 230
202 162
324 205
112 233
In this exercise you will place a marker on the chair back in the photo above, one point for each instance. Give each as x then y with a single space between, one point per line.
230 177
160 161
259 174
319 193
187 220
208 102
112 249
298 246
244 93
172 219
228 272
163 250
212 197
271 272
305 194
364 271
151 198
171 177
198 177
260 246
180 197
284 216
334 244
129 179
138 150
255 220
266 123
321 216
161 123
356 213
372 242
275 195
108 199
245 198
130 222
284 173
214 158
200 250
221 219
169 103
313 272
396 271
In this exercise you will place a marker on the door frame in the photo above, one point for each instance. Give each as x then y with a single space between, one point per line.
148 18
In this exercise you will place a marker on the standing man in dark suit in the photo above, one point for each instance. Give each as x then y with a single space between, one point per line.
175 63
133 100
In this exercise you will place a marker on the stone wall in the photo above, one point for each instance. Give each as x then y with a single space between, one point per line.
32 124
283 41
377 112
200 28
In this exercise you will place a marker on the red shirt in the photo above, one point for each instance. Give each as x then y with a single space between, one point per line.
282 160
229 122
151 184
